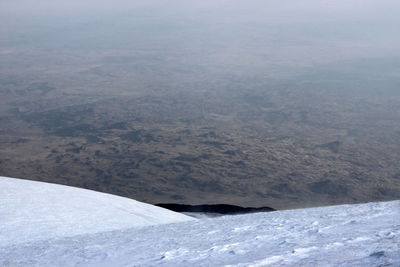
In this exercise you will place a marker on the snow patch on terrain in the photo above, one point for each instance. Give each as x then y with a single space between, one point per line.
346 235
31 211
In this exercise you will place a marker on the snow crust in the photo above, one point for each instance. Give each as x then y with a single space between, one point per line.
32 211
346 235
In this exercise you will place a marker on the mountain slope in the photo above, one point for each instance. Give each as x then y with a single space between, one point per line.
32 211
346 235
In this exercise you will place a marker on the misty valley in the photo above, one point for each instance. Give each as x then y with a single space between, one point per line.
185 104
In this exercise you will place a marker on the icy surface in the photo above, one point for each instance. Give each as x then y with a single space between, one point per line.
31 211
347 235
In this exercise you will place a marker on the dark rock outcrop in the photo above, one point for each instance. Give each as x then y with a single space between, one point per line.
223 209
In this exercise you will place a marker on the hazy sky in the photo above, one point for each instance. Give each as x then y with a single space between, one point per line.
305 32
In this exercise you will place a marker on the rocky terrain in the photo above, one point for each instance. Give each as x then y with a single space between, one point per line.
182 112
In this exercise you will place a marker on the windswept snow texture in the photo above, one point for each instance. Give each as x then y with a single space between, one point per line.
31 211
347 235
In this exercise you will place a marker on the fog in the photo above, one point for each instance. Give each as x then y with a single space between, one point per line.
270 103
326 29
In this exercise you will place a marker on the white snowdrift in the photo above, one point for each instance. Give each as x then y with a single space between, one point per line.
346 235
31 211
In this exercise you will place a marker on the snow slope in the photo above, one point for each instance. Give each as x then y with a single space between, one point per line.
346 235
31 211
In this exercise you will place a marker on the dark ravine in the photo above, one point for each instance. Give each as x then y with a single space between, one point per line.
223 209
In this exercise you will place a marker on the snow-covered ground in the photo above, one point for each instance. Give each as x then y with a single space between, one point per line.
347 235
31 211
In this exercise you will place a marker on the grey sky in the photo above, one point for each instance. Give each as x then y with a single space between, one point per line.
285 31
